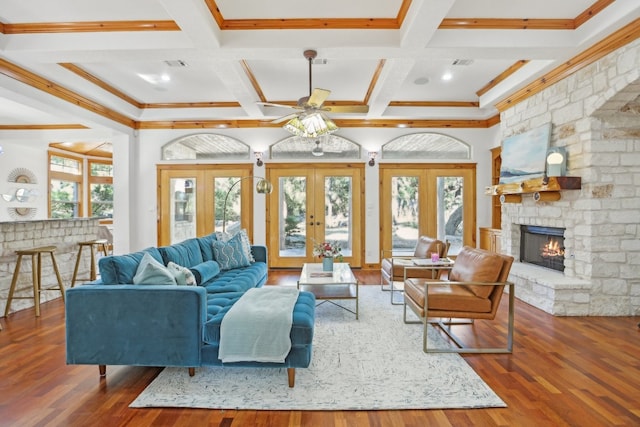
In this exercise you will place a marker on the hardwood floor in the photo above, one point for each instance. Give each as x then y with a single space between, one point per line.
563 372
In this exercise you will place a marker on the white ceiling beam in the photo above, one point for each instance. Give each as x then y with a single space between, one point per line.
422 21
393 74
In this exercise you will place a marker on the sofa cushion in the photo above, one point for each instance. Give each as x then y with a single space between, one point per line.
206 246
185 253
120 269
443 296
183 276
238 279
477 265
152 272
205 271
230 254
303 316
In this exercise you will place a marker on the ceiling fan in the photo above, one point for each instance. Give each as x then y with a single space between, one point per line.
307 105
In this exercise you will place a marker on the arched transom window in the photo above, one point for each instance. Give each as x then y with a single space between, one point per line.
426 146
206 146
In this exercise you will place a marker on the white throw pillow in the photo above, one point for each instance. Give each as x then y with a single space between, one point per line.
244 238
152 272
183 276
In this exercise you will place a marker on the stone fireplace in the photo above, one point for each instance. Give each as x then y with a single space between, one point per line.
595 116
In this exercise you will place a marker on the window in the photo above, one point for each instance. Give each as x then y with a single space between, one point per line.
426 146
101 189
65 190
71 188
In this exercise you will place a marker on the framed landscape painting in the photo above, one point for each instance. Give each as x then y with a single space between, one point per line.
524 155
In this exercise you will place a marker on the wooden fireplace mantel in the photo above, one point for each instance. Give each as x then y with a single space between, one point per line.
543 189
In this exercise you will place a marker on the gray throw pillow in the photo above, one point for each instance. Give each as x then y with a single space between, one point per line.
152 272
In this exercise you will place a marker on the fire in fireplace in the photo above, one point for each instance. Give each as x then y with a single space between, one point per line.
543 246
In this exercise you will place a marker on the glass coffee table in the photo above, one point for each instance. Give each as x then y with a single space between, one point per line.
329 286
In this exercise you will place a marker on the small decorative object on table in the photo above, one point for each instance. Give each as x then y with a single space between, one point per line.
328 252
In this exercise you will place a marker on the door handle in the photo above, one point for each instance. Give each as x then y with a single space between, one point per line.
318 223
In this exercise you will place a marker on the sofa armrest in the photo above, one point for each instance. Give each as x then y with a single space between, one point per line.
259 253
140 325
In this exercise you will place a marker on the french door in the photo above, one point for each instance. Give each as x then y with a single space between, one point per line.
313 204
436 200
191 200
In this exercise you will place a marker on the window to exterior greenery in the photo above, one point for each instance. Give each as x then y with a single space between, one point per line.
65 179
101 189
426 146
67 182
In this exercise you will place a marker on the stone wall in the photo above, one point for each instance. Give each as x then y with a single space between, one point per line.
595 117
64 234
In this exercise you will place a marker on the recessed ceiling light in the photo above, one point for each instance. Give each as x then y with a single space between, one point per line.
447 76
421 80
155 79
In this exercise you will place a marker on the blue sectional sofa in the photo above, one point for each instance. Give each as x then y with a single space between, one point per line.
113 321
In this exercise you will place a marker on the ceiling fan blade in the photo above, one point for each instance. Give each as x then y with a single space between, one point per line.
346 108
318 97
271 104
284 118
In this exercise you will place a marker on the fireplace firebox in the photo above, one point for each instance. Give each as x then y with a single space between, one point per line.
543 246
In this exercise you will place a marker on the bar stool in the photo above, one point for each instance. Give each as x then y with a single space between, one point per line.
101 244
36 271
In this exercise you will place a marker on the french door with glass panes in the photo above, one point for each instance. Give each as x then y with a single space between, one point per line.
314 203
191 199
436 200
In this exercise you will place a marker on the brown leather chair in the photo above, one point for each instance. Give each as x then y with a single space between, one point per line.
472 291
392 268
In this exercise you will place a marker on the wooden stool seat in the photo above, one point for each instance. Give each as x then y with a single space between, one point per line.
36 271
101 244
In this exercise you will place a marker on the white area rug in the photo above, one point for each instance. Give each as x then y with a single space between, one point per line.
373 363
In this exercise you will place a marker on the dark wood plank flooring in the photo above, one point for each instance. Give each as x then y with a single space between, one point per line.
582 371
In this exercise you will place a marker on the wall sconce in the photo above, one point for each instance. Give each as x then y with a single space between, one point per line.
258 155
556 161
372 158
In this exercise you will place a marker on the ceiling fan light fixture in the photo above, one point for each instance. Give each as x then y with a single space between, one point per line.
310 125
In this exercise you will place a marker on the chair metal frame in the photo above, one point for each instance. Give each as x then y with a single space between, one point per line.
390 287
446 326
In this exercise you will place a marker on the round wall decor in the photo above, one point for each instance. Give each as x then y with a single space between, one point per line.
22 214
23 176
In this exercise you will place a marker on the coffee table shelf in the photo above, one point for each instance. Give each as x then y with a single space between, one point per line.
340 284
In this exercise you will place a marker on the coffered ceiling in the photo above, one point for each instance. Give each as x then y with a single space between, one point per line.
206 63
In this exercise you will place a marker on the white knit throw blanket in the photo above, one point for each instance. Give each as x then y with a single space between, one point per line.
258 326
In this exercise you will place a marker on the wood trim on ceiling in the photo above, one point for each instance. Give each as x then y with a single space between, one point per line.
309 23
464 104
43 127
98 82
27 77
501 77
374 80
343 123
604 47
88 27
524 24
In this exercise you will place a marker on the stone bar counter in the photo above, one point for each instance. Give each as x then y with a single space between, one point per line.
65 234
